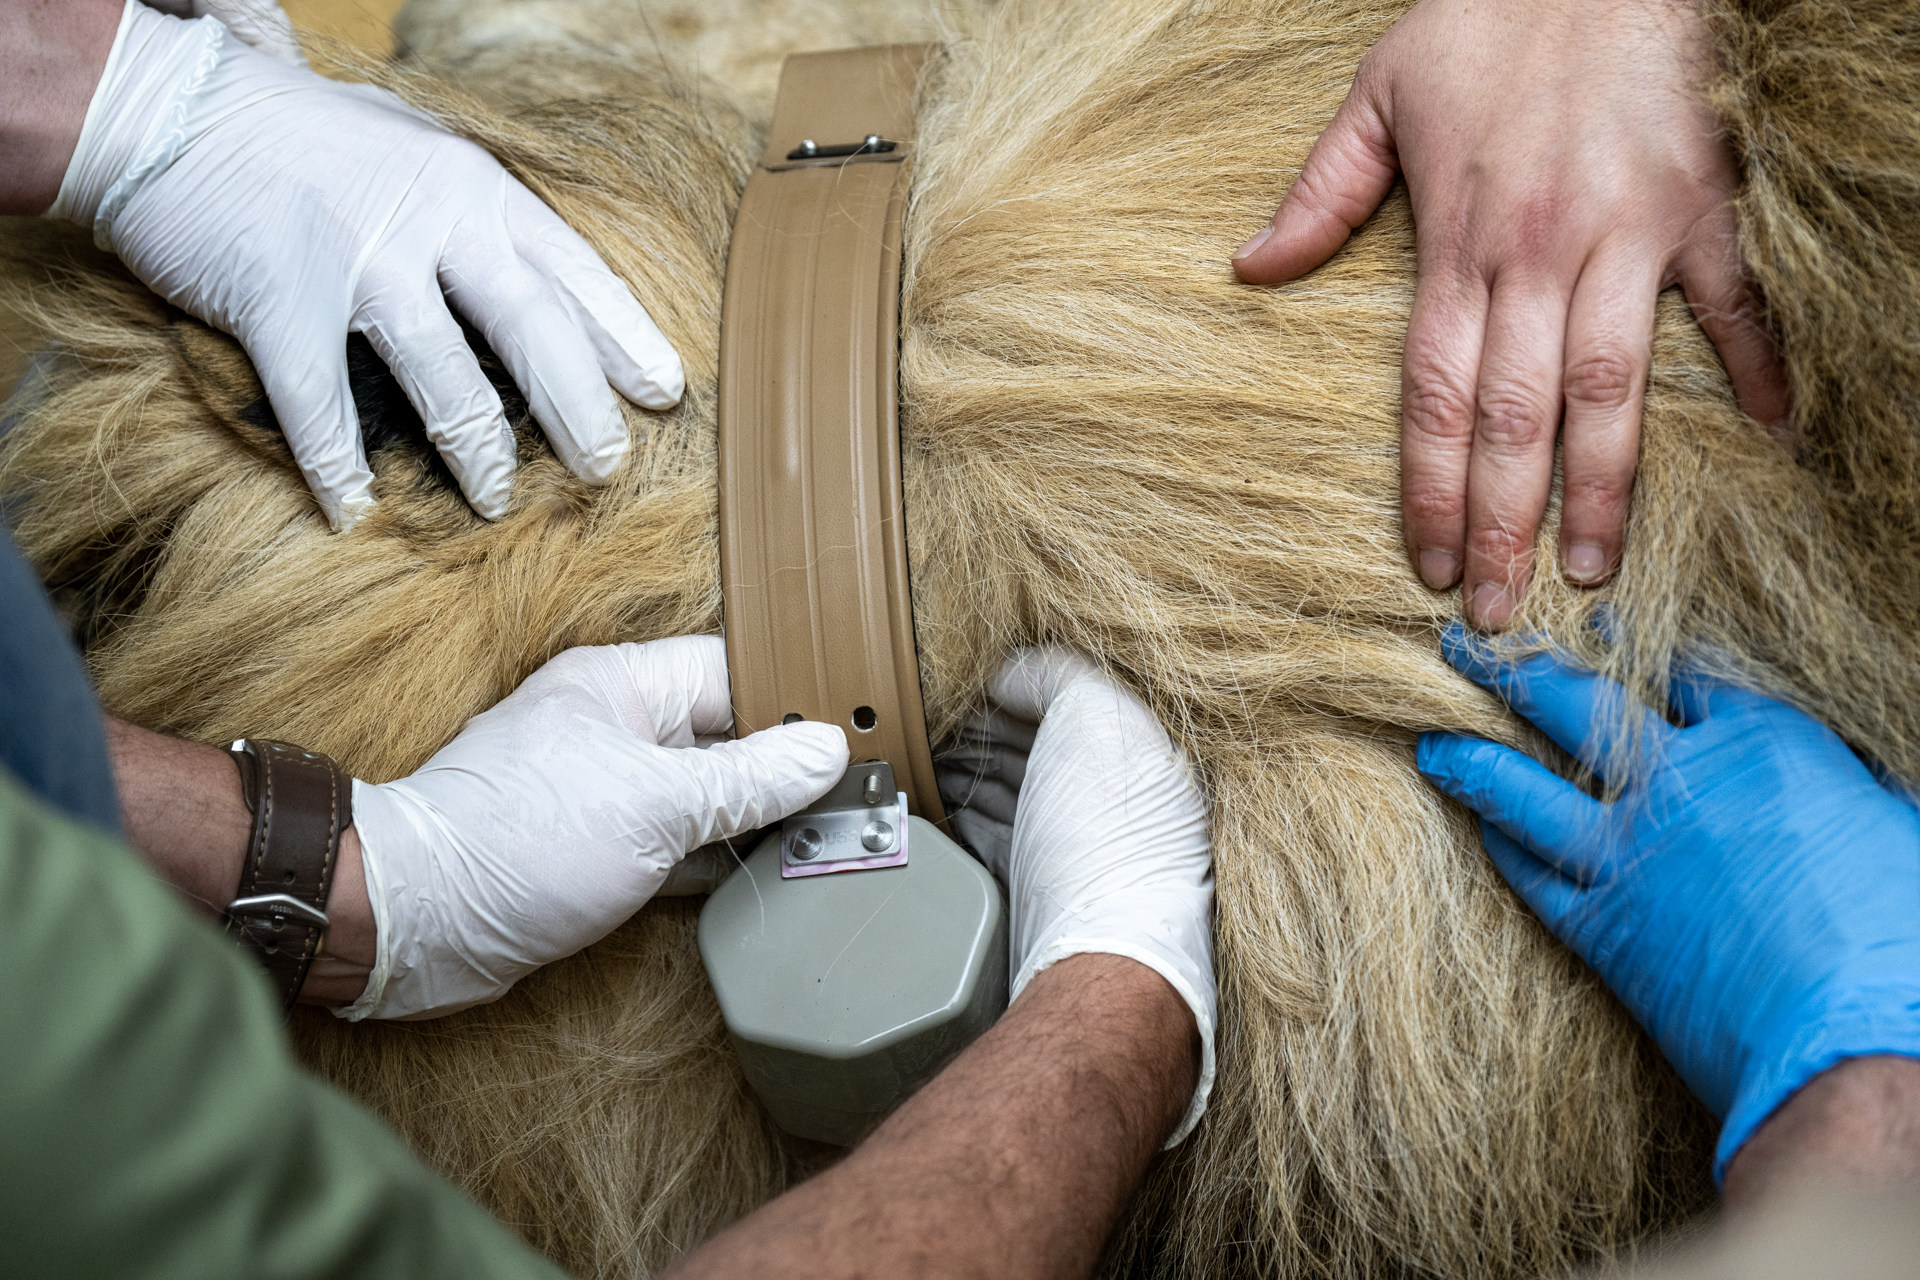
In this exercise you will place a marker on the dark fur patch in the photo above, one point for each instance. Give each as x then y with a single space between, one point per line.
388 421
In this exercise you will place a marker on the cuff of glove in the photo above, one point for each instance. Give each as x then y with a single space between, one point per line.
1179 976
136 121
1879 1019
423 967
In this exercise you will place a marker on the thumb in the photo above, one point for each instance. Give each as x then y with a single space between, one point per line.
732 788
1347 174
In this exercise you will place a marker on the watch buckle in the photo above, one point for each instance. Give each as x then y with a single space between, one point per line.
278 910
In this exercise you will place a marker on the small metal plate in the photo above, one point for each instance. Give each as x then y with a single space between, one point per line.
859 825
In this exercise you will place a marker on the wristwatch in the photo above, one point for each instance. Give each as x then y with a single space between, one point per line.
301 802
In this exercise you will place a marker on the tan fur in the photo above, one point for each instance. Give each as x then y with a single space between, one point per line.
1112 444
535 50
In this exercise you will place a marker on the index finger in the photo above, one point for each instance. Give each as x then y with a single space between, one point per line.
1437 372
682 683
1589 716
634 355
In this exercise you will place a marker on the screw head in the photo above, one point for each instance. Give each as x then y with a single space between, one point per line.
878 837
805 845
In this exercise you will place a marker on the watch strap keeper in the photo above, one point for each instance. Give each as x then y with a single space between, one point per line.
301 801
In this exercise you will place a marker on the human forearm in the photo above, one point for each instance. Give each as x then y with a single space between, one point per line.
1857 1124
183 812
1014 1162
51 55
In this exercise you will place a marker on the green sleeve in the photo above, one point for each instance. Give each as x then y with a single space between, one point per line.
152 1121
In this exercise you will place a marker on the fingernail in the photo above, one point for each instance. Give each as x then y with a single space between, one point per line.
1439 569
665 386
1490 606
1586 562
1260 237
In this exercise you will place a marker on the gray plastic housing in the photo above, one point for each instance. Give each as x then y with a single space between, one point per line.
845 993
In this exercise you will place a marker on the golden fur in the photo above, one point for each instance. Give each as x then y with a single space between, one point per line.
1112 444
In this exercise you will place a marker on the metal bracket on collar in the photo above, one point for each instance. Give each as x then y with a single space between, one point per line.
872 145
859 825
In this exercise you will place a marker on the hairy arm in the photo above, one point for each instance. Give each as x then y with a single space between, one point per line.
51 55
1016 1161
183 812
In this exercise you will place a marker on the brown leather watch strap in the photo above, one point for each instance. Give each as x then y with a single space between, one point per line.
301 803
813 552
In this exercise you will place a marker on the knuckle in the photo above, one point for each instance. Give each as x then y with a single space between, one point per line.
1501 542
1435 404
575 664
1513 418
1310 195
1597 493
1435 506
518 292
1537 229
1604 379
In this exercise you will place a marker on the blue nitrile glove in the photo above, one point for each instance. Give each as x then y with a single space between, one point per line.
1753 898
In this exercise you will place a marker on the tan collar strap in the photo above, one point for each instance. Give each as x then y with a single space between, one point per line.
813 549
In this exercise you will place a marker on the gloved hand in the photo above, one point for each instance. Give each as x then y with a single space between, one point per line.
1753 897
290 210
1072 794
555 815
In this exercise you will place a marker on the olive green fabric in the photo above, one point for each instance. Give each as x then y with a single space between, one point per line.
152 1122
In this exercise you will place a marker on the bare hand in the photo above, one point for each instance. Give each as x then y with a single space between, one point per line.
1564 168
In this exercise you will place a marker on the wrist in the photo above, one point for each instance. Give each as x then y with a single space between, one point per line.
51 57
183 811
1185 970
136 121
339 974
1870 1020
1856 1123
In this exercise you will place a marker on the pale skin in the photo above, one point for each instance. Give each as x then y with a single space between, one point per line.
1564 167
1857 1125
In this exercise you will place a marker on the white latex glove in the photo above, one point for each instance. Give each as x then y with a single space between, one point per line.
555 815
291 210
1072 794
261 23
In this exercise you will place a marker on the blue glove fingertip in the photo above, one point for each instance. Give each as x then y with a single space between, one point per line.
1473 656
1441 758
